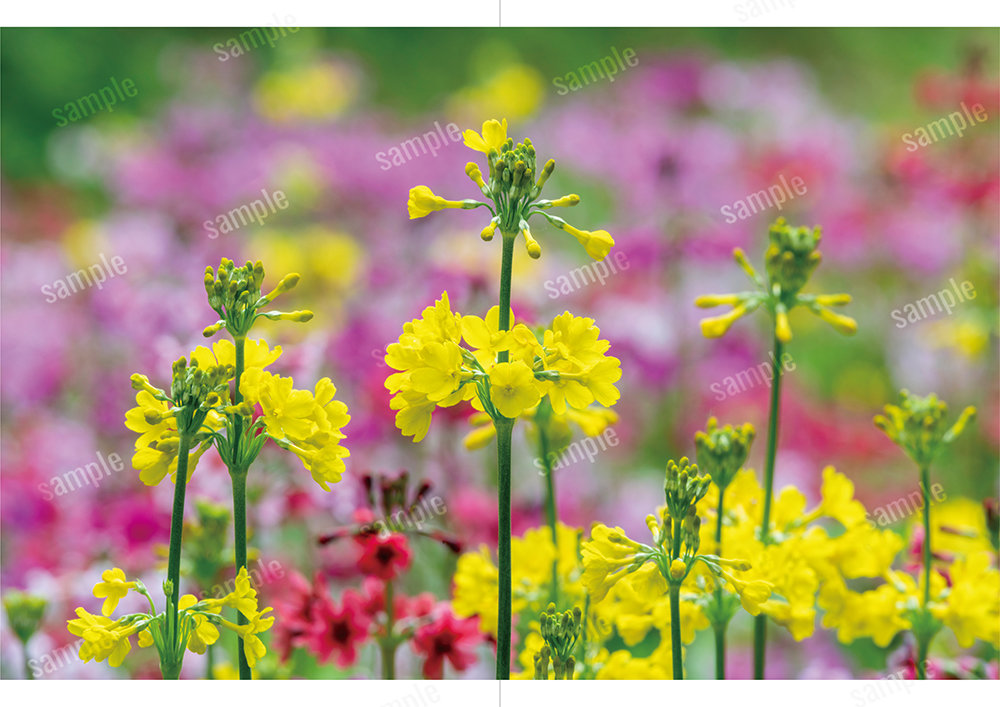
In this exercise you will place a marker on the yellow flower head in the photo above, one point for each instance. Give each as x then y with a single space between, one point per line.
112 589
790 259
513 388
493 137
513 187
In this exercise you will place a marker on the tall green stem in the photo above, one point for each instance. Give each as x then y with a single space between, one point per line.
389 644
550 498
28 673
720 630
240 532
675 631
239 477
923 642
505 431
760 622
177 520
675 608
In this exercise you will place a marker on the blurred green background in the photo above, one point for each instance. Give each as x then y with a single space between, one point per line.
43 68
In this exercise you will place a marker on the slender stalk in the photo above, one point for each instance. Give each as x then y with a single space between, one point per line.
760 622
505 430
240 530
720 630
239 477
550 507
389 644
675 631
675 609
177 521
210 662
923 643
28 673
924 485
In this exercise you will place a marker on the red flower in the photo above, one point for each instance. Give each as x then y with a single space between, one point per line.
344 628
384 558
447 637
300 619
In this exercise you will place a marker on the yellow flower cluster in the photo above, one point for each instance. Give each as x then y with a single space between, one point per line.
808 549
790 259
532 558
969 605
513 184
306 423
105 638
568 364
156 419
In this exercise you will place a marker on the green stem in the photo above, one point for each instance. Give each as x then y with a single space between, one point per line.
675 631
239 477
720 652
923 643
720 631
240 532
210 662
760 622
924 485
28 674
505 431
389 644
177 523
550 506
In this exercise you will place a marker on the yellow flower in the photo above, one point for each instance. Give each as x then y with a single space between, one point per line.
493 137
597 243
512 388
287 412
714 327
203 632
838 499
154 464
532 559
607 552
112 589
972 607
423 201
253 648
441 372
103 639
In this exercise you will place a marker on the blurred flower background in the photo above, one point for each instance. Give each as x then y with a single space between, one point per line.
698 120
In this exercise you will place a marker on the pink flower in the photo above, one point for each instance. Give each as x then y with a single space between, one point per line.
301 615
344 629
384 558
447 637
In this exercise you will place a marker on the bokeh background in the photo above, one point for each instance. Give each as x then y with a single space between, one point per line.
706 117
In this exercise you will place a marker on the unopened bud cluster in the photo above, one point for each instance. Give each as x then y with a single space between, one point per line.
791 256
234 293
683 487
722 451
560 630
917 425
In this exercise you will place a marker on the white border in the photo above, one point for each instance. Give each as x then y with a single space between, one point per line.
507 13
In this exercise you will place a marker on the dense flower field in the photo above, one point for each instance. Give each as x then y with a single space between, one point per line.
692 373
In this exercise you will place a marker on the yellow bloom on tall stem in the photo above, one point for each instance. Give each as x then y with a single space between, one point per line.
113 587
493 137
512 382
